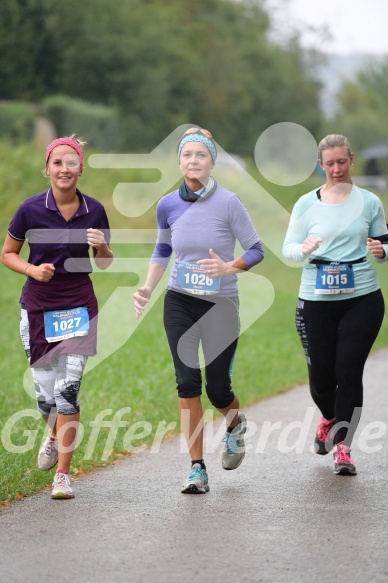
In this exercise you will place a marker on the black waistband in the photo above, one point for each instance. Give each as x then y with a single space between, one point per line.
325 262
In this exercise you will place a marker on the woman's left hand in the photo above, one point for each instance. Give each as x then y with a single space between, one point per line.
215 267
375 247
95 238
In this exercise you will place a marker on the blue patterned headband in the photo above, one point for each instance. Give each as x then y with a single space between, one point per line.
199 138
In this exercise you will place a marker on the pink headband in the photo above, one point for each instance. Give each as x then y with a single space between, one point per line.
65 142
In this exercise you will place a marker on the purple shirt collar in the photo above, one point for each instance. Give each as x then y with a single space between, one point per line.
52 205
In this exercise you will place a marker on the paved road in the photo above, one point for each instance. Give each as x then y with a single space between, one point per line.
281 517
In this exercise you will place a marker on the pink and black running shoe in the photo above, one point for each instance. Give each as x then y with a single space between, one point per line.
343 464
321 443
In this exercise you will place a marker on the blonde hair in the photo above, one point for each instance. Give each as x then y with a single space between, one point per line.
333 141
79 140
76 143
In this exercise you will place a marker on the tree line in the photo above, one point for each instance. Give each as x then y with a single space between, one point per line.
160 63
362 110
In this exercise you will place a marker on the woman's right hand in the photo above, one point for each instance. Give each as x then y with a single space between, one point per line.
43 272
309 245
141 297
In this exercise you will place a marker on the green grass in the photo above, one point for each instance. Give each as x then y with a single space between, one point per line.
137 373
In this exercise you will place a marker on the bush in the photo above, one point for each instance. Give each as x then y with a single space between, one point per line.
98 125
17 121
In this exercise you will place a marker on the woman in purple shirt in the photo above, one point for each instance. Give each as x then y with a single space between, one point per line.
201 222
59 308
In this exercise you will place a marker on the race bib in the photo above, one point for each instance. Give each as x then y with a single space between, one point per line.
194 279
64 324
334 278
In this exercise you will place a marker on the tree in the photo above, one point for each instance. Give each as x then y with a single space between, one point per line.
208 62
27 57
362 113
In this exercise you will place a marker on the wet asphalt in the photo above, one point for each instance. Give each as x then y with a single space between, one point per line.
282 516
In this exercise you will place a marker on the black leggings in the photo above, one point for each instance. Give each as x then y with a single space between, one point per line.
337 337
189 320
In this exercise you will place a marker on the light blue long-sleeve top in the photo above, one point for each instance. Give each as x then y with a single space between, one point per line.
344 229
192 228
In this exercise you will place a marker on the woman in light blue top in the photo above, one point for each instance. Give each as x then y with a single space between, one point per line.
201 223
340 307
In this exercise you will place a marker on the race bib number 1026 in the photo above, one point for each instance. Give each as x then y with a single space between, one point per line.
194 279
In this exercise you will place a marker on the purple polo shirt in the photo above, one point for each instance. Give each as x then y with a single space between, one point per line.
54 240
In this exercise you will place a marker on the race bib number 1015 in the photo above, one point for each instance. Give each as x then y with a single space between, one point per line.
335 278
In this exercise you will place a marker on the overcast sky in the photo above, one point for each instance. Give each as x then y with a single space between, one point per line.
355 25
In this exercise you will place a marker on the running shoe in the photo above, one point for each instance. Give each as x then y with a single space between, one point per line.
48 454
197 482
61 487
343 464
322 437
233 450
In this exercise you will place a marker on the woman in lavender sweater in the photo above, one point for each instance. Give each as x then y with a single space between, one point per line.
200 222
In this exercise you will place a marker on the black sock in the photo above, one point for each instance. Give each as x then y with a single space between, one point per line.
230 429
200 462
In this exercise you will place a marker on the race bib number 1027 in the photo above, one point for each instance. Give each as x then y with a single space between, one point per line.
64 324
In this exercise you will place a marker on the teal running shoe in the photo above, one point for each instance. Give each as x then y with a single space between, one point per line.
233 450
197 482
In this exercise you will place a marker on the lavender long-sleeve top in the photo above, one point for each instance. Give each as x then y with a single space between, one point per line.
190 229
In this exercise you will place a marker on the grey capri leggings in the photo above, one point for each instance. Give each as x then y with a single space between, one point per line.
57 385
